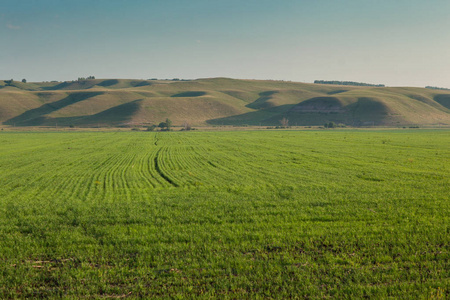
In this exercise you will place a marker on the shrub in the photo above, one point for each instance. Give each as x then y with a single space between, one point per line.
186 126
151 127
284 122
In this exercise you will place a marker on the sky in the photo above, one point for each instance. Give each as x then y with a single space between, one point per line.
392 42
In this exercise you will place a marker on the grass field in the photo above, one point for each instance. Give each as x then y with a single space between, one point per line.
275 214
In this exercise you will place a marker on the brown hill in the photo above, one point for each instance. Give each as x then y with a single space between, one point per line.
217 101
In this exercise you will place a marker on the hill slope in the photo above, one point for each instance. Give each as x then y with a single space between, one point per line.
219 101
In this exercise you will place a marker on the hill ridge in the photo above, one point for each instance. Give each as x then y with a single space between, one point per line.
217 101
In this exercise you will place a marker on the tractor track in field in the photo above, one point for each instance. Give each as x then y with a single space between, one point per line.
158 167
160 172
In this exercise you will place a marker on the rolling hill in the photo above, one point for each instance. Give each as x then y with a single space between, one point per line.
217 101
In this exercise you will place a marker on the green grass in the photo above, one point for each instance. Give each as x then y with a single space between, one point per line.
279 214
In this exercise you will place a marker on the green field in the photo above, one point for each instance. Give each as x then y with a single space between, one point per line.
274 214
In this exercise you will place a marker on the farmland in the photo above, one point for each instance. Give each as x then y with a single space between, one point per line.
274 214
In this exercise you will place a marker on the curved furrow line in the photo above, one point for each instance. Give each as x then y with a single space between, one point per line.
24 169
54 186
206 170
95 175
126 180
143 172
82 172
216 173
133 173
114 178
186 165
229 168
147 165
250 164
92 177
83 176
125 174
49 182
150 170
142 179
210 169
177 165
194 167
159 165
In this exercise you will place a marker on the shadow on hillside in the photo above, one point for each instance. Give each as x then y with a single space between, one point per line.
67 85
140 83
363 112
367 106
443 100
427 101
319 104
337 92
37 115
190 94
318 111
108 82
113 116
261 102
258 117
88 84
133 83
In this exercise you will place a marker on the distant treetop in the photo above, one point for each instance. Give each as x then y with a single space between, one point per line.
347 83
85 78
436 88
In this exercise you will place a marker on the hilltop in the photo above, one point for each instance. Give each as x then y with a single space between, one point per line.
217 101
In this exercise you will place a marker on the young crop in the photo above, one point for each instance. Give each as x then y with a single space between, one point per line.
274 214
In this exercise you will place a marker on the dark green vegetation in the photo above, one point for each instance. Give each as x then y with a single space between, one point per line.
436 88
284 214
347 83
217 101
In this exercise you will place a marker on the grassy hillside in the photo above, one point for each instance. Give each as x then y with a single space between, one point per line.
217 101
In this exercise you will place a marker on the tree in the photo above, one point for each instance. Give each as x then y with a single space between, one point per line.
151 128
186 126
168 124
162 125
284 122
24 80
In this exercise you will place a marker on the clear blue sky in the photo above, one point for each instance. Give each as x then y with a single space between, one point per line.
395 42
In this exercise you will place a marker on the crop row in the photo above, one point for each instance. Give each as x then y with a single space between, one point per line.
92 166
318 214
